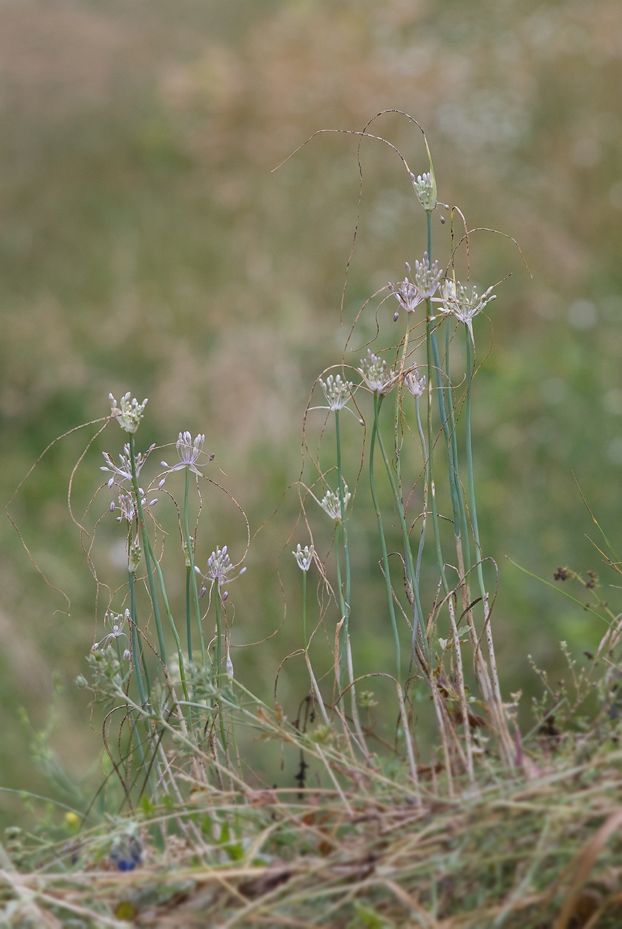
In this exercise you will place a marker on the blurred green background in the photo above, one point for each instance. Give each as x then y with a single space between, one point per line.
146 245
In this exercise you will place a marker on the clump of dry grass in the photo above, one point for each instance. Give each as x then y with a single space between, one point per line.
538 849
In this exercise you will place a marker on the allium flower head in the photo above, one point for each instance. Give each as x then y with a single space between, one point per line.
464 301
409 294
125 505
128 412
124 469
116 622
376 373
415 382
425 188
337 391
220 567
188 451
304 556
331 505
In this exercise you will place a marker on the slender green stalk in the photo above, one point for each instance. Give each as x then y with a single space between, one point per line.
424 518
399 503
469 457
429 470
138 659
147 552
383 544
304 608
344 528
169 613
191 577
446 411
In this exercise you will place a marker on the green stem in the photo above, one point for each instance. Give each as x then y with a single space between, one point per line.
424 517
304 608
138 658
469 456
147 551
344 529
169 613
191 578
399 503
383 544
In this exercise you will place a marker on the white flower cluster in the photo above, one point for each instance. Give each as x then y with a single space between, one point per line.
410 293
188 452
463 301
304 556
128 412
331 505
425 188
337 391
415 382
376 373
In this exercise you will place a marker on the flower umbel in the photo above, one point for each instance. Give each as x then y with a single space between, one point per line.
331 505
376 373
126 505
220 566
116 622
409 294
124 469
188 451
304 556
415 382
464 301
128 412
425 188
337 391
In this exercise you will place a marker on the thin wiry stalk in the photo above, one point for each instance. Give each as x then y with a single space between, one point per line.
445 408
304 609
147 552
138 658
191 577
399 503
169 613
344 529
424 518
383 544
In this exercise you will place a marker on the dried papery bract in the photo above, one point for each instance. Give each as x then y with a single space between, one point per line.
425 189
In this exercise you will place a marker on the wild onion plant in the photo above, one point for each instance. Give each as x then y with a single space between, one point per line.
170 665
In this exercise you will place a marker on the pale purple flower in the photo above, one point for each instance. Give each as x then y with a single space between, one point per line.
124 469
220 567
125 504
128 412
304 556
376 373
188 451
116 622
337 391
415 382
331 504
464 301
410 293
